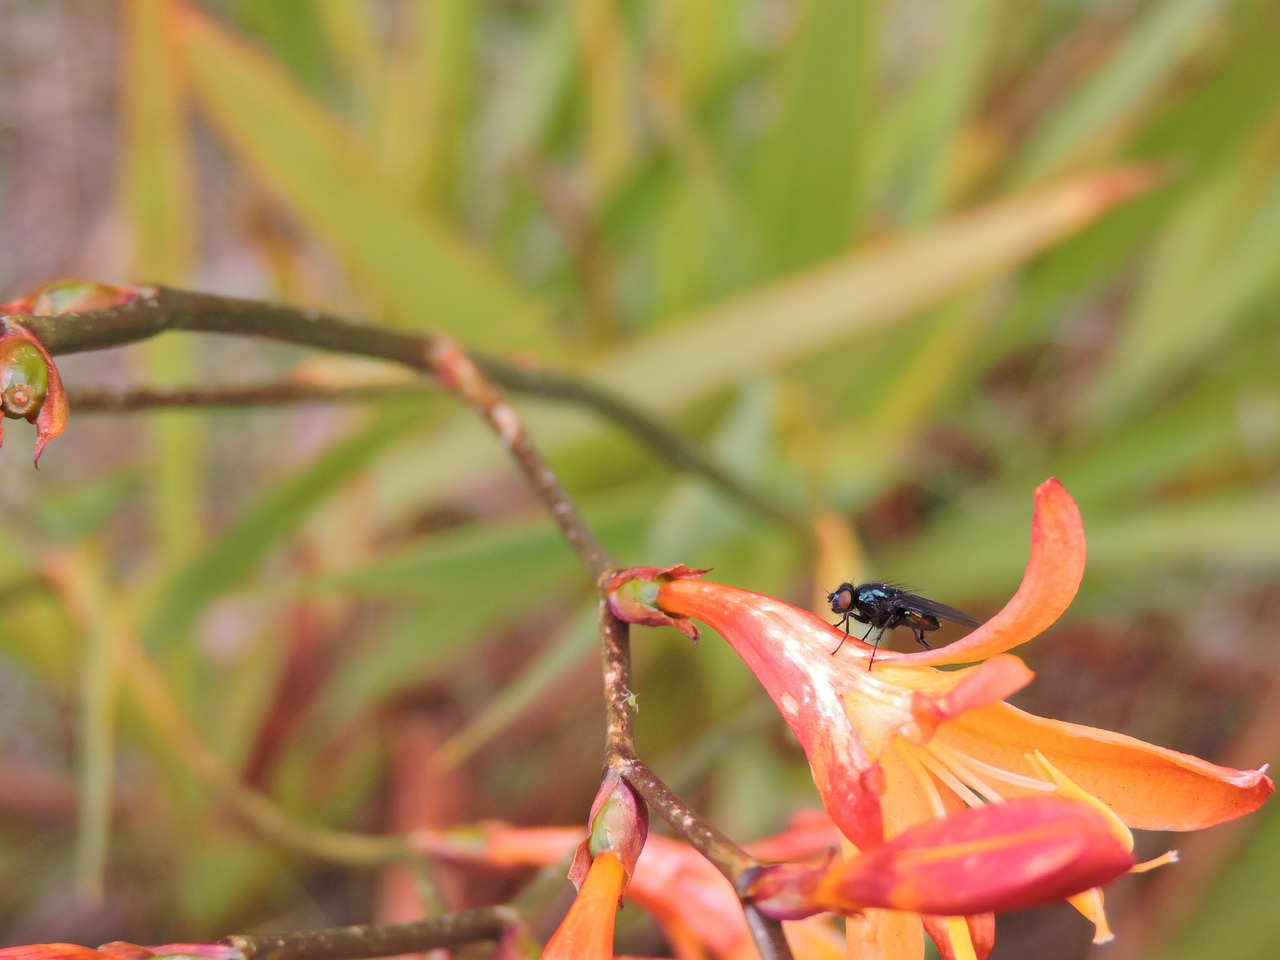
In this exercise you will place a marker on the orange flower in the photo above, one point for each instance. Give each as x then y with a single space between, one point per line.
905 743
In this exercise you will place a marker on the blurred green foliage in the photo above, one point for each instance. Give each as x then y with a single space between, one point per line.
828 240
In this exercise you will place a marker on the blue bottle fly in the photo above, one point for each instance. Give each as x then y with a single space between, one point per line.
884 606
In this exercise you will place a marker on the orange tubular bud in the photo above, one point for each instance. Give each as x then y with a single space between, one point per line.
619 825
586 933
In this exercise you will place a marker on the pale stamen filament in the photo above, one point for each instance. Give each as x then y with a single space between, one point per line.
940 770
955 762
908 755
956 759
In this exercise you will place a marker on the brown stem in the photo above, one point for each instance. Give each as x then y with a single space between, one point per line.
615 652
770 939
381 939
729 858
159 309
252 395
457 372
162 309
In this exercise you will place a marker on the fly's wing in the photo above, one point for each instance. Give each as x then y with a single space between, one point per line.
939 610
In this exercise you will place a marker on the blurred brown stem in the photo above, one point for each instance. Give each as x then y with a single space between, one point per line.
165 309
382 939
161 309
728 857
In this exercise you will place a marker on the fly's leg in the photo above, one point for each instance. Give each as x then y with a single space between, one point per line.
845 625
876 648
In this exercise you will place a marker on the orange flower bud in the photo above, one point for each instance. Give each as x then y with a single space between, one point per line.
619 825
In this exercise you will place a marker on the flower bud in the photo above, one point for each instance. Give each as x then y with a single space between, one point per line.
30 388
75 296
633 596
619 825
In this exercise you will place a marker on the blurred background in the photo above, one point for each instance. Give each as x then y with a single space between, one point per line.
878 260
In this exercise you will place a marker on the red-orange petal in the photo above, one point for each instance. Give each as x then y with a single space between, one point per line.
686 894
586 933
119 950
51 951
988 682
789 651
994 858
1048 586
1148 787
54 413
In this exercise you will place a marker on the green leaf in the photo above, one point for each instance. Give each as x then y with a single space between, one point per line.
427 273
233 557
1216 259
804 177
1098 112
791 319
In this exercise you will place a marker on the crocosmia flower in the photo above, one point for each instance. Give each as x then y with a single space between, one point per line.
905 743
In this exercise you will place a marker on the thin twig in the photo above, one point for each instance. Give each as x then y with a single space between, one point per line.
162 309
768 934
646 430
454 370
615 652
381 939
159 309
729 858
288 393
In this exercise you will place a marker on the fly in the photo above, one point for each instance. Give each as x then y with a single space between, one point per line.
884 606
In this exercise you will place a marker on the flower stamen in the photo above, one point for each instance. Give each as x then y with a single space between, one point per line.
957 759
943 772
908 756
956 763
